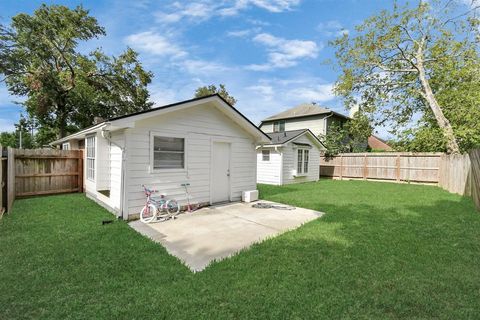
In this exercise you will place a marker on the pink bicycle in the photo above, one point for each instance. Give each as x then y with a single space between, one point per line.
158 208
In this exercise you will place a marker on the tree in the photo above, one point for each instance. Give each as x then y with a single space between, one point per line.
335 141
65 89
212 89
392 66
351 136
358 130
21 133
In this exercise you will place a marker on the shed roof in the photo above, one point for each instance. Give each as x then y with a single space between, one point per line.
279 138
122 121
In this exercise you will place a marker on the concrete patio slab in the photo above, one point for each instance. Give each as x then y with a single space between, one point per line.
216 232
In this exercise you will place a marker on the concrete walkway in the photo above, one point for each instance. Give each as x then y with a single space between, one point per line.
217 232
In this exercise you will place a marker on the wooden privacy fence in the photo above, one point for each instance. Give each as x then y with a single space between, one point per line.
454 173
461 174
42 172
410 167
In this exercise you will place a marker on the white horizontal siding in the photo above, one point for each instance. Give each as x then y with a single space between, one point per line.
269 172
199 125
290 162
315 124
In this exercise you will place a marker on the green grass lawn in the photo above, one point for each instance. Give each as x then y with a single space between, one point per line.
382 251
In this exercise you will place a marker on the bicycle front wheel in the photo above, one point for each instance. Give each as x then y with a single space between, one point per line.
172 207
148 213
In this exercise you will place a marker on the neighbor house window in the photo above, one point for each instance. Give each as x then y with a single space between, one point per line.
168 153
279 126
265 155
66 146
90 146
302 161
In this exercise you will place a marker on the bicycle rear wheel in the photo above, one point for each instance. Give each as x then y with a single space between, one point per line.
172 207
148 213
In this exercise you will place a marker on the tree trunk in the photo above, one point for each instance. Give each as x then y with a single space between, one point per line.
62 122
443 123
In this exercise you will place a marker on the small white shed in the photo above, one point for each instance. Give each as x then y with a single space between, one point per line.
291 157
205 142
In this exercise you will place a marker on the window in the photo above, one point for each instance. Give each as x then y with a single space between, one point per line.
168 153
265 155
279 126
302 161
90 146
66 146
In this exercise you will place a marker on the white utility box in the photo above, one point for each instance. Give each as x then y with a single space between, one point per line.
250 196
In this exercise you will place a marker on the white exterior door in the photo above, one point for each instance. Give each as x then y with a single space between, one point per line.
220 167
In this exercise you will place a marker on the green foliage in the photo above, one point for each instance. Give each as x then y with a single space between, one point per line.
381 70
65 89
381 251
212 89
12 139
336 140
423 139
351 136
9 139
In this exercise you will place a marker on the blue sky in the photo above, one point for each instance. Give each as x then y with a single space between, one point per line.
269 53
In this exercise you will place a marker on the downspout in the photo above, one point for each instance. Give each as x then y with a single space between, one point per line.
326 122
106 135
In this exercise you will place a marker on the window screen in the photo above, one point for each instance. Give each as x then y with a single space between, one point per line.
168 153
90 146
265 155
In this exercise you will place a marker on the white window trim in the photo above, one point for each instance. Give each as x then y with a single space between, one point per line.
169 135
67 145
302 173
94 157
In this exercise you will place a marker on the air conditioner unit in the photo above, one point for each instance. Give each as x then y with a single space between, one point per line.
250 196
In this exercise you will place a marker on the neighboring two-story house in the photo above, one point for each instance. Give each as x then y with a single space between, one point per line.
305 116
294 154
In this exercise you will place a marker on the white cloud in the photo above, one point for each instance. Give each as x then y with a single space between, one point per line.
155 44
266 91
332 28
275 5
201 10
283 53
318 93
242 33
199 67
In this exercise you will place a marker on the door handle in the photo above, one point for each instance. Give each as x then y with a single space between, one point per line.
228 173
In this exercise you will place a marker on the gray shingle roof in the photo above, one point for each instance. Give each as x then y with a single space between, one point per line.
302 110
282 137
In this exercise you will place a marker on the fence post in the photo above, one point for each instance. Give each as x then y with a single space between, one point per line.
80 171
365 167
341 167
398 168
10 179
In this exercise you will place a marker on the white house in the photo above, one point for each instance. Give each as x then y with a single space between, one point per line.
291 157
205 142
304 116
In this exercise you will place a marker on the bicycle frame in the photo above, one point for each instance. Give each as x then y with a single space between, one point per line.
161 204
